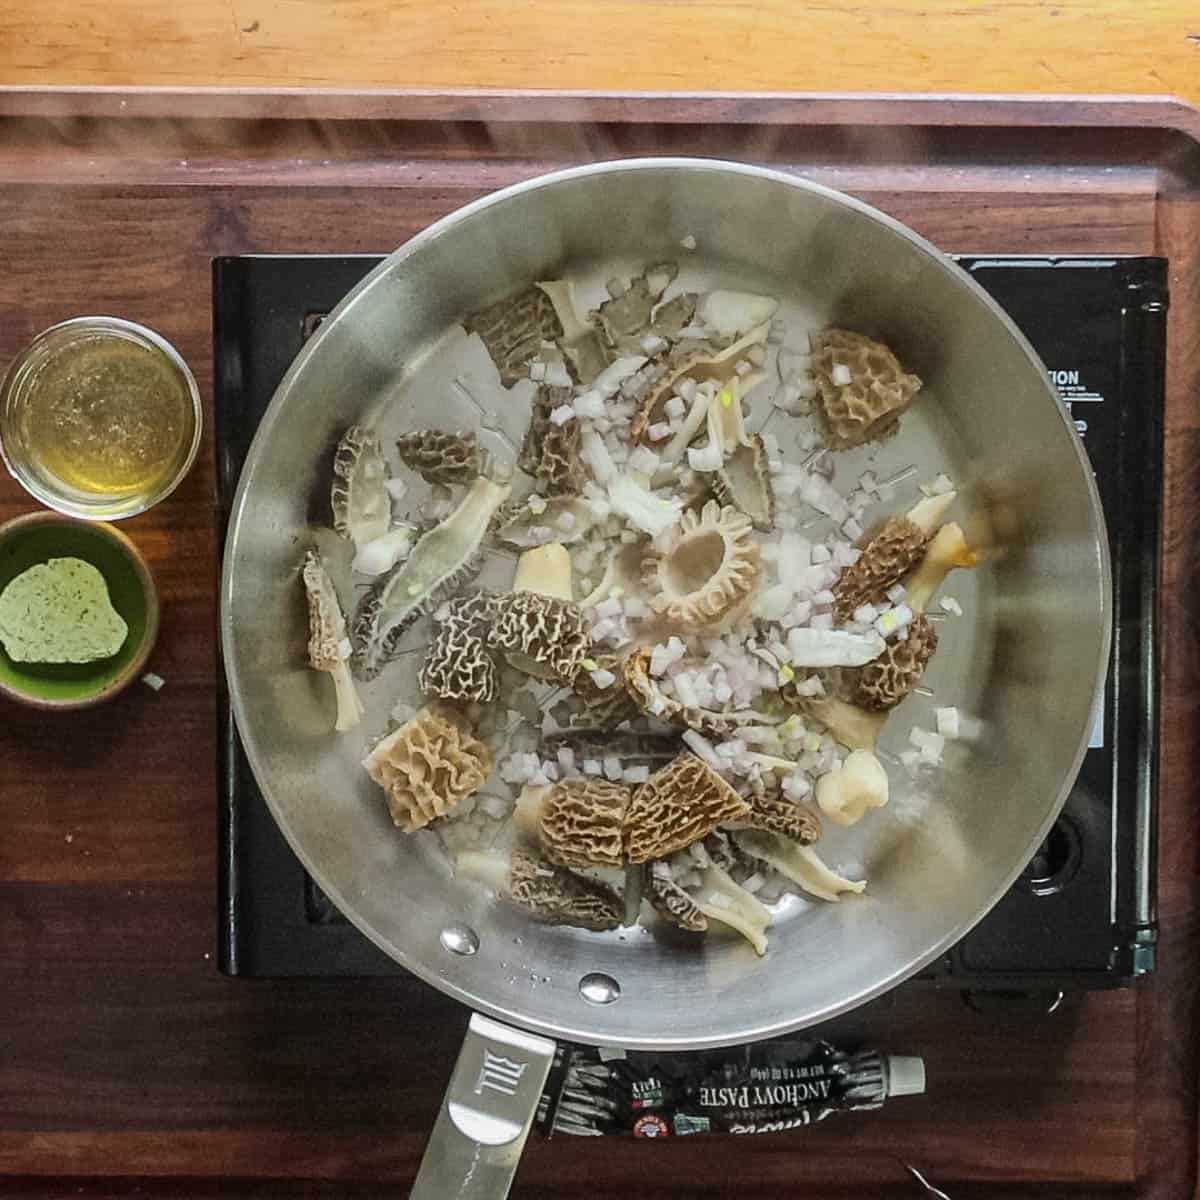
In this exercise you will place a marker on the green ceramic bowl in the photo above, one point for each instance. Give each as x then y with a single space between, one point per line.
37 537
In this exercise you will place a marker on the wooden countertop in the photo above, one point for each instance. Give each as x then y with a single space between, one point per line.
1048 46
128 1065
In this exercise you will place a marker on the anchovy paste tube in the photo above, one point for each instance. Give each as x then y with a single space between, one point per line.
762 1088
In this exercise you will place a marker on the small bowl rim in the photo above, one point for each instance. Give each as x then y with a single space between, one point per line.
136 665
101 322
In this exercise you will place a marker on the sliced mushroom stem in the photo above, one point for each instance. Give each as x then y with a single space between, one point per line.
801 864
485 866
927 514
545 570
349 707
847 724
720 899
948 550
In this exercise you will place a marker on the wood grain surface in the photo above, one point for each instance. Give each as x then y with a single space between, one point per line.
129 1066
710 45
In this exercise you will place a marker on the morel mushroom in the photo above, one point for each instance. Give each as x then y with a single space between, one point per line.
577 822
608 706
538 521
440 457
861 387
745 483
442 561
670 901
703 573
887 680
947 550
774 814
848 725
544 891
676 806
328 646
362 505
457 665
890 555
513 330
537 626
859 784
722 900
690 361
799 863
551 452
427 766
654 702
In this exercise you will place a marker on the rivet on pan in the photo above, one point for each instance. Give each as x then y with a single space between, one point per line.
460 939
598 988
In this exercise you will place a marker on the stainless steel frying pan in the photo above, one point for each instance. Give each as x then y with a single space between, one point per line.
1027 660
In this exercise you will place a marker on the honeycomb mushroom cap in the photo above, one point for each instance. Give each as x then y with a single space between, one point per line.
514 328
775 814
362 506
579 822
882 684
440 457
678 805
551 453
326 624
868 408
542 635
703 572
457 664
427 766
889 556
555 896
670 901
605 708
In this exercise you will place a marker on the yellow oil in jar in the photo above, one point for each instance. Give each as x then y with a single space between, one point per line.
109 416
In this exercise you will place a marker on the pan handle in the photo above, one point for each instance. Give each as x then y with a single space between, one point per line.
488 1109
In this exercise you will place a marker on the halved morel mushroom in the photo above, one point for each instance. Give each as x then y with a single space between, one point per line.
427 766
670 901
514 328
443 560
774 813
887 680
328 645
702 574
654 702
630 749
861 387
609 705
678 805
548 893
551 451
744 483
692 361
440 457
672 316
848 724
947 550
722 900
361 503
538 521
800 864
457 665
577 822
537 626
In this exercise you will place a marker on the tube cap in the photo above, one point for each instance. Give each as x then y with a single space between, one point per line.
906 1075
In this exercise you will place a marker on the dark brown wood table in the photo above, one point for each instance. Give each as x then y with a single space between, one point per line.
128 1064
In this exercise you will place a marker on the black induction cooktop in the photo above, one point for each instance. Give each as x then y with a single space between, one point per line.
1083 913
